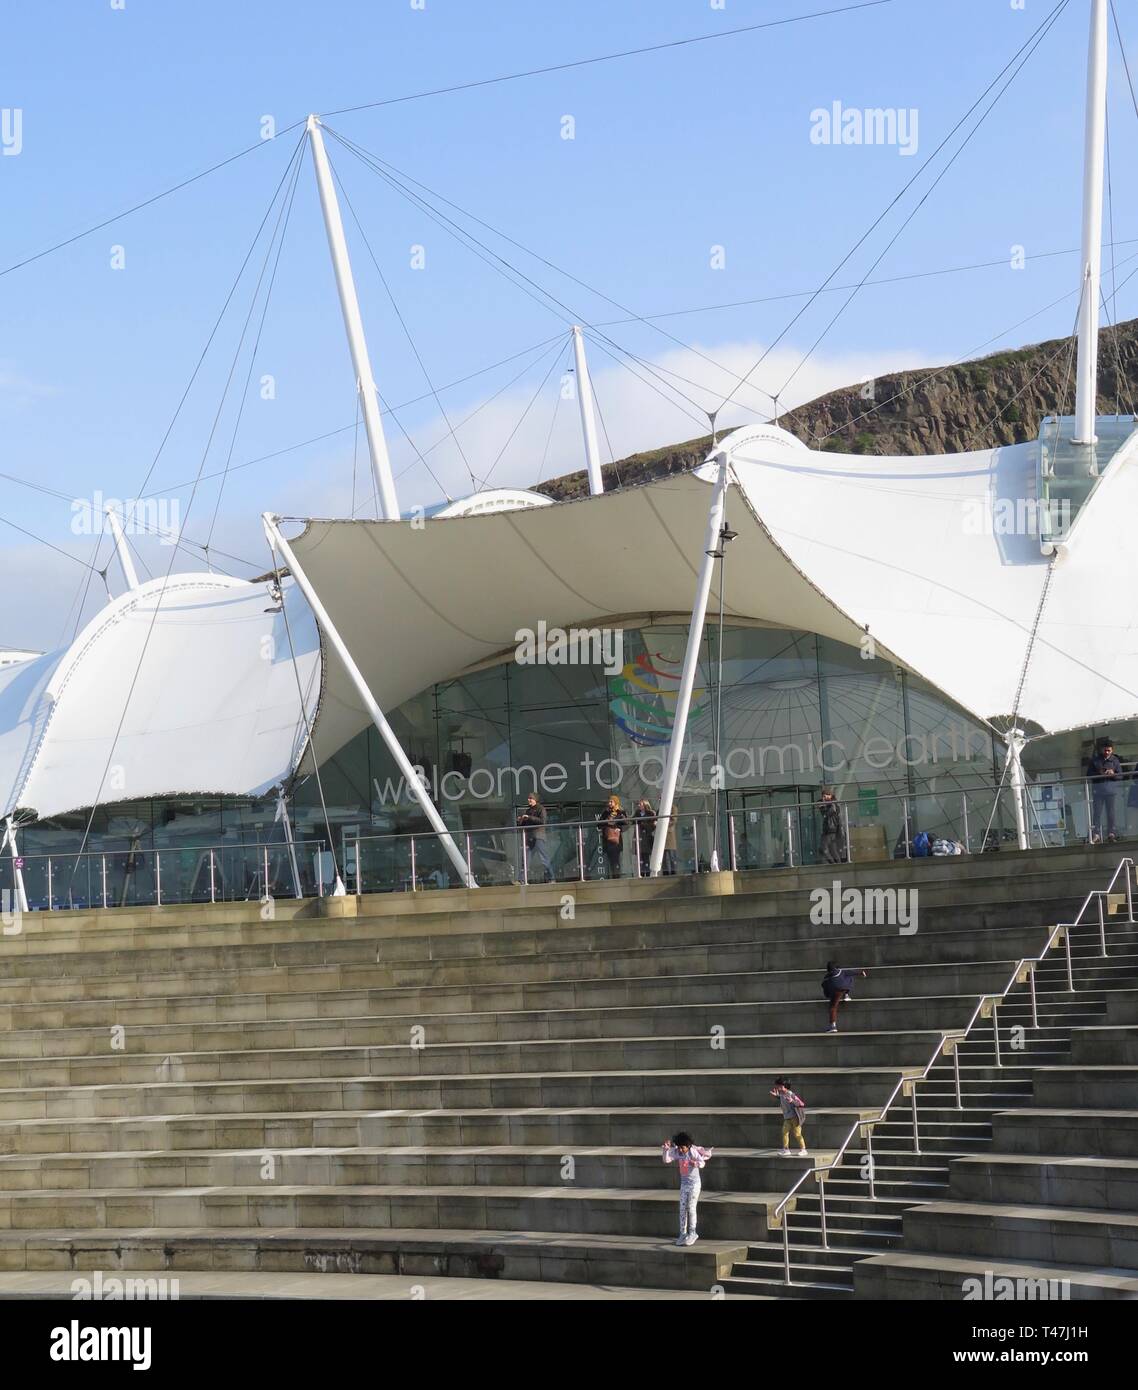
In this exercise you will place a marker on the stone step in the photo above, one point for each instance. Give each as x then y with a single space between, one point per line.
1111 1045
1111 1133
642 1211
692 1088
491 1254
364 963
1076 1180
1090 1087
514 1166
901 1274
567 1129
686 1020
304 991
998 1231
191 1286
766 1053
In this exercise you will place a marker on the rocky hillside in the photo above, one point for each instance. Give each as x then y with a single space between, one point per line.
999 399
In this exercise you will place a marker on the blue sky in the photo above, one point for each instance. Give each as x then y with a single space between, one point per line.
674 153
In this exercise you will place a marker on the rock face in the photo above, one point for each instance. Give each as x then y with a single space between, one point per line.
999 399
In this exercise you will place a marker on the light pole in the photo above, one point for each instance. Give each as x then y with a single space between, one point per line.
726 536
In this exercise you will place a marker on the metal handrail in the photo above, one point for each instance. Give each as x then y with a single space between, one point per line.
955 1037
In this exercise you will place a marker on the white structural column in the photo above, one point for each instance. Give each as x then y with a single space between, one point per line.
129 573
1086 381
17 872
588 420
1015 741
378 718
365 382
283 817
691 662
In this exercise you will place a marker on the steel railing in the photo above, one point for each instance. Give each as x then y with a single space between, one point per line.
135 877
405 857
952 1038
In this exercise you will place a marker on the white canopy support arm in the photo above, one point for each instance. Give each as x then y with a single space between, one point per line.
282 816
353 322
130 574
691 661
17 872
1015 740
588 419
411 777
1086 379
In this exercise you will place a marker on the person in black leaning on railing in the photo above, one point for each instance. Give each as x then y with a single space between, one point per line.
833 840
1104 772
533 819
613 823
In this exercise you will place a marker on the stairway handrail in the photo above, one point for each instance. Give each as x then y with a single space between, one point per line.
955 1036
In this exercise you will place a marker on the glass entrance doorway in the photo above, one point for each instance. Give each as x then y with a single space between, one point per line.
773 826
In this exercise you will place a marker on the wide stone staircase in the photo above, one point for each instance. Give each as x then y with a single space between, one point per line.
453 1087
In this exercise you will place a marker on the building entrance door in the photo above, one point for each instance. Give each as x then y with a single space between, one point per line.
774 826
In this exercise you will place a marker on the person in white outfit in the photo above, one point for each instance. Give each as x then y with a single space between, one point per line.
690 1158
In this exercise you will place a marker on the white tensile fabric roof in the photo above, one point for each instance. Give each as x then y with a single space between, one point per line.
214 708
827 543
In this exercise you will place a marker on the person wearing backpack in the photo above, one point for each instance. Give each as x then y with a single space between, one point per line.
836 986
793 1116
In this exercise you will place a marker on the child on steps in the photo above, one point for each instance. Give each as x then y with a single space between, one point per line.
691 1158
793 1114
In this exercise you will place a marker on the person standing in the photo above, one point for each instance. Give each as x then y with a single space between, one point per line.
534 818
644 819
613 823
690 1158
833 840
1104 771
793 1115
669 861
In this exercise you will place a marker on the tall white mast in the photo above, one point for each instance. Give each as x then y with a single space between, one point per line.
129 573
1093 151
365 383
588 423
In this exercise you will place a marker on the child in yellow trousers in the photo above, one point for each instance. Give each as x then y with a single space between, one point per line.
793 1114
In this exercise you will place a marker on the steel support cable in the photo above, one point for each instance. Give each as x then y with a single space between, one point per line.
1060 6
521 421
553 421
280 231
839 289
174 551
613 57
394 176
406 330
562 310
951 366
537 361
915 209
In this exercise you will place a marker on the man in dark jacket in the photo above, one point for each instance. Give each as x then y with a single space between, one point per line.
836 986
534 818
1104 771
832 846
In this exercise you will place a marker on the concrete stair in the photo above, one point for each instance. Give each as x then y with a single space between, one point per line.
468 1085
1048 1205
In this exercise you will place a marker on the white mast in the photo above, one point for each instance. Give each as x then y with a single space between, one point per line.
588 423
128 571
1095 141
365 382
664 816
